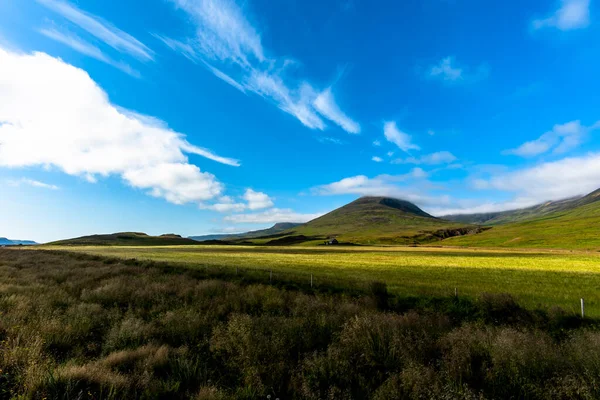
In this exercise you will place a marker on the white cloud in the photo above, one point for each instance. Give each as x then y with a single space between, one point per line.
55 115
327 107
440 157
34 183
377 143
271 216
377 159
527 187
399 138
560 139
326 139
257 200
102 30
225 204
399 186
572 14
390 153
226 38
448 71
87 49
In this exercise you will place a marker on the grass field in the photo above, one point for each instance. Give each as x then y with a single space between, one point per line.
546 278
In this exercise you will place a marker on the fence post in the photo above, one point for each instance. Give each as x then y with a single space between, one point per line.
582 309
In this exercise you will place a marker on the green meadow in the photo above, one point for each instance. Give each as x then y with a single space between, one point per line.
534 278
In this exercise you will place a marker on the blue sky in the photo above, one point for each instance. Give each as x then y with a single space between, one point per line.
208 116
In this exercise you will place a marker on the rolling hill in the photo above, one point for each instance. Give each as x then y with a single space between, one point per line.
126 239
567 224
372 220
275 229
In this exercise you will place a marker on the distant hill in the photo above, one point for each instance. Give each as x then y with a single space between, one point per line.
275 229
126 239
372 220
505 217
9 242
571 224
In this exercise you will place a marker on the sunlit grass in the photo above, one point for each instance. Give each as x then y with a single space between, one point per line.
534 278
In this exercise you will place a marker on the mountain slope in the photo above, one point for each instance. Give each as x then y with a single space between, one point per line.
275 229
126 239
375 220
575 227
537 211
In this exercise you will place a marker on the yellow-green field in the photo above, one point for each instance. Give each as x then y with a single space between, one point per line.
534 278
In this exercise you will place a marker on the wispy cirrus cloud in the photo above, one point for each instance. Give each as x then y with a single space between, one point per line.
437 158
54 115
572 14
229 45
562 138
102 30
33 183
399 138
450 71
85 48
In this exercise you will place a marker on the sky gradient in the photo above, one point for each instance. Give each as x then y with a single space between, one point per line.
212 116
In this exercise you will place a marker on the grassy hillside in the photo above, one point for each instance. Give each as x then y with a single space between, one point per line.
577 228
375 220
126 239
538 211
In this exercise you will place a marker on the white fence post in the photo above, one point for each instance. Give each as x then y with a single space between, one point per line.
582 309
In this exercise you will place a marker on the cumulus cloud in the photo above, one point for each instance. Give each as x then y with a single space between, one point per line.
403 186
560 139
225 39
257 200
85 48
399 138
377 159
54 115
572 14
440 157
102 30
449 71
272 216
34 183
526 187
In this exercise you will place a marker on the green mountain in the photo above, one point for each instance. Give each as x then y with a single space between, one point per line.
570 224
275 229
372 220
126 239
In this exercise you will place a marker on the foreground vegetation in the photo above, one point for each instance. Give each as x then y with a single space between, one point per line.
75 326
533 278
